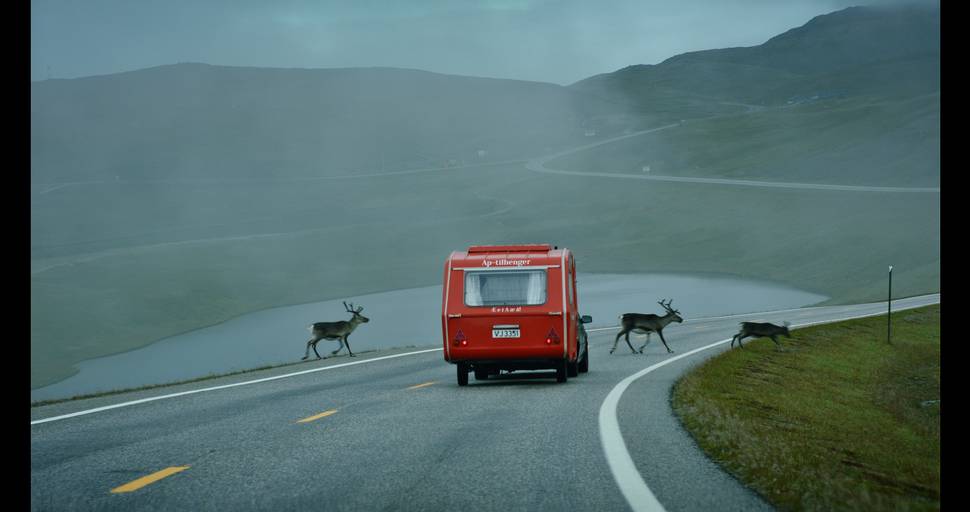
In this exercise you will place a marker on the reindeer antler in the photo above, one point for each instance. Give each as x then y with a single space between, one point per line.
667 306
351 309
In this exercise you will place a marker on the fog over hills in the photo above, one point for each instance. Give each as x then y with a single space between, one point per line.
859 50
204 121
849 97
176 197
857 36
197 120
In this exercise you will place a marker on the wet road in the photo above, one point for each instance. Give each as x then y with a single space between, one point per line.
398 433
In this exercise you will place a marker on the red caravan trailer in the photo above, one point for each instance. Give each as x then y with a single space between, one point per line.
513 307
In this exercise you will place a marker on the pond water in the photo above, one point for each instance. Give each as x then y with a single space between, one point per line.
400 318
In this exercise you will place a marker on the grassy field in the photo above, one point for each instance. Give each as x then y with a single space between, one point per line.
837 420
176 197
119 265
328 240
852 141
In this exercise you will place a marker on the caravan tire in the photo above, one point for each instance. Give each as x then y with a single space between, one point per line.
462 374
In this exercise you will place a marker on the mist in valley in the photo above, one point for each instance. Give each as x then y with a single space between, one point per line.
259 157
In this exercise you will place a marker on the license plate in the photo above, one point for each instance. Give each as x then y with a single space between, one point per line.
505 333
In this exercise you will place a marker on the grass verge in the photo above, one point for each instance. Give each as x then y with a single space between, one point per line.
837 420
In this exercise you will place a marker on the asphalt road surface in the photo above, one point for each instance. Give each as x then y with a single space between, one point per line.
539 165
397 433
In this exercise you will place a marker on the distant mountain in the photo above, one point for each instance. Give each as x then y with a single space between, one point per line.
891 50
197 120
849 97
853 37
201 121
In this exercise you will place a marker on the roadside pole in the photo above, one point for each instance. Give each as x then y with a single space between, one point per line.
889 309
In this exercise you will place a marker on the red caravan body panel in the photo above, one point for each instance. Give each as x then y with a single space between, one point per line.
548 331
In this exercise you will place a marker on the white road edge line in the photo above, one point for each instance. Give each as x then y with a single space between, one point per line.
245 383
638 495
214 388
776 311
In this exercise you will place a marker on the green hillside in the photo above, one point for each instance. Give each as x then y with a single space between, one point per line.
851 141
196 121
851 97
394 232
860 50
176 197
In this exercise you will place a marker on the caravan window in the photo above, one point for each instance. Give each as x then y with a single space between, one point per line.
511 288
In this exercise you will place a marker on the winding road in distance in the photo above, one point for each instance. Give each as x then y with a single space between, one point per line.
539 165
535 165
393 431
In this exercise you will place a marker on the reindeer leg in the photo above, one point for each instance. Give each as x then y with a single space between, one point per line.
661 333
347 342
645 343
628 342
315 348
777 345
739 340
341 340
617 340
308 344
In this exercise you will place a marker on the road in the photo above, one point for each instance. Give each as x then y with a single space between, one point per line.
539 165
536 165
397 433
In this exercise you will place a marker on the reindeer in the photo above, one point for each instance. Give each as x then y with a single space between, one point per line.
335 331
759 330
647 324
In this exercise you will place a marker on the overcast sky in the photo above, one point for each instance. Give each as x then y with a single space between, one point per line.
559 41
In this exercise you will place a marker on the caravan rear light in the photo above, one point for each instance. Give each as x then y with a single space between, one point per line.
552 337
460 338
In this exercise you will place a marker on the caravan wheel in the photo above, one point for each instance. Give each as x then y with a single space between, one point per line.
561 371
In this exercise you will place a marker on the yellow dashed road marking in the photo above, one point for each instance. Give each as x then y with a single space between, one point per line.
426 384
134 485
318 416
